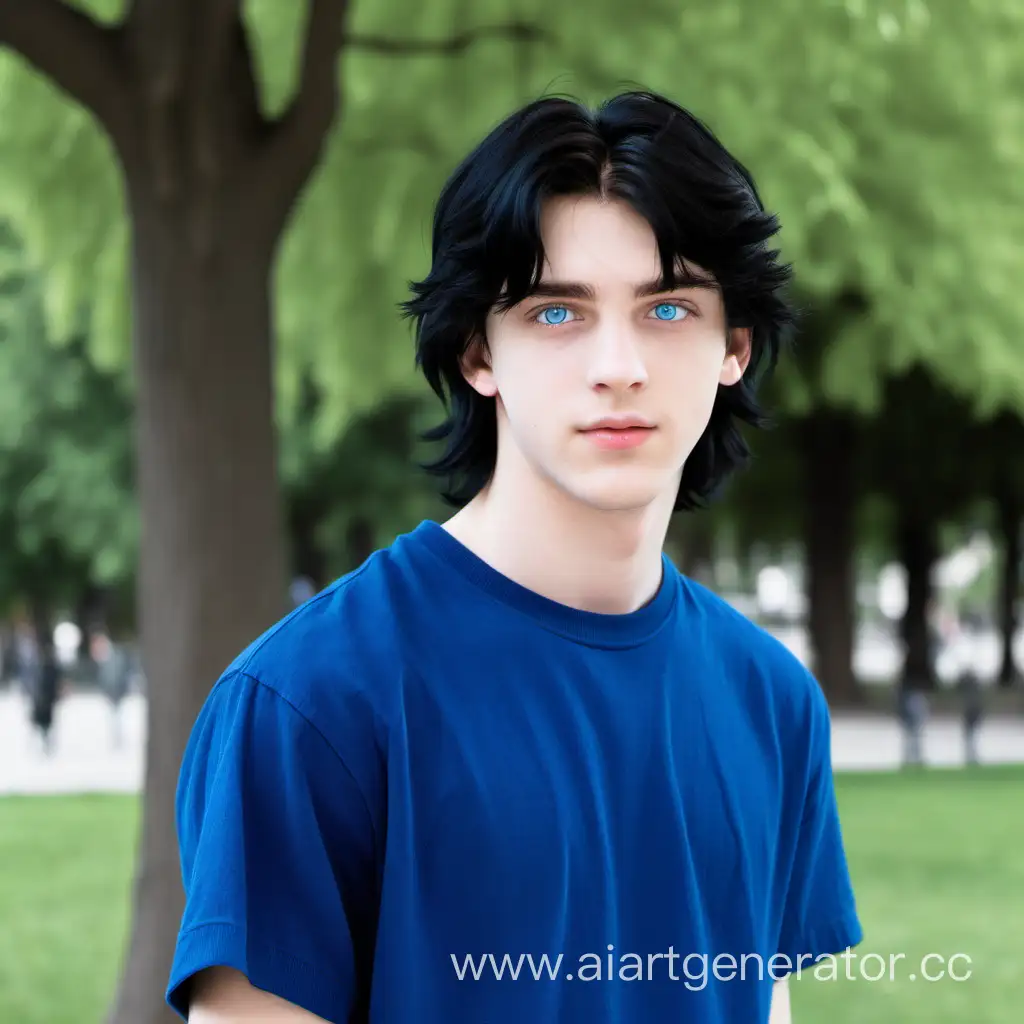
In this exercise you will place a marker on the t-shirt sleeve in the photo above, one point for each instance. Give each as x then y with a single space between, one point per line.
277 855
820 914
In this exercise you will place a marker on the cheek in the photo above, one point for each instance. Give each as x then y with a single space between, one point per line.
527 396
694 389
530 382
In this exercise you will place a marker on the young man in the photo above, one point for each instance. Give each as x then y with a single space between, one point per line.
517 769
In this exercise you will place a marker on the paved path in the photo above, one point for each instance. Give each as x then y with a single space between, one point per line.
85 760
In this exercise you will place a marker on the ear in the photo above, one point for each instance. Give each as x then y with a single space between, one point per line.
476 368
737 356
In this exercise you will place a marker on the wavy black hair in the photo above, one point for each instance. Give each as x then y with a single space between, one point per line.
487 253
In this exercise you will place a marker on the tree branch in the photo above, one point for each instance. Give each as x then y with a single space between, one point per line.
245 87
223 107
316 102
158 33
211 40
293 147
81 57
519 32
157 37
221 83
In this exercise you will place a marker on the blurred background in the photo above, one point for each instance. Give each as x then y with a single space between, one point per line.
209 410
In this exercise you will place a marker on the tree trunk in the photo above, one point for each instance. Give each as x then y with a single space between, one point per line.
1010 524
829 450
212 572
919 551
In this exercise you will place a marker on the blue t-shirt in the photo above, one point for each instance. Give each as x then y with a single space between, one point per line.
432 796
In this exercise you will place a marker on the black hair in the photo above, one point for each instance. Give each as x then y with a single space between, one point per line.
487 253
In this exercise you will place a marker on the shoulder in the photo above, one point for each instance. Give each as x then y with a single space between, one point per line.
768 703
758 670
300 708
334 661
746 644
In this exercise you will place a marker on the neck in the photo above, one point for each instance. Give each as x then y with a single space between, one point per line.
534 533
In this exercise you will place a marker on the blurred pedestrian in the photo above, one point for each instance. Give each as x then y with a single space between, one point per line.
973 709
913 713
113 673
45 690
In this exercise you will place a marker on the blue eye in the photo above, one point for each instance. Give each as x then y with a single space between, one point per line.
666 311
553 315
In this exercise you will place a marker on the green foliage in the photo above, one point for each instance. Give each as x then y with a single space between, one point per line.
65 455
367 476
877 128
886 133
59 186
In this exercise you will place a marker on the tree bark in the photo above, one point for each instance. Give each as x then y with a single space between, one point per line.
1011 521
212 572
210 187
919 550
79 56
829 451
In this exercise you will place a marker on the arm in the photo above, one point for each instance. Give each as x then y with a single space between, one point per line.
780 1003
819 912
224 996
278 860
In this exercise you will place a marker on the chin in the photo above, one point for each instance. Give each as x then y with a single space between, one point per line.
621 490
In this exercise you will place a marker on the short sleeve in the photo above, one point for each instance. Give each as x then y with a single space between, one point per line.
820 914
277 856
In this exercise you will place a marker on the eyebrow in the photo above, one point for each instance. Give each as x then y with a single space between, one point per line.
576 290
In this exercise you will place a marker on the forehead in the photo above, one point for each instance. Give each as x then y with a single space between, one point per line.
603 243
591 238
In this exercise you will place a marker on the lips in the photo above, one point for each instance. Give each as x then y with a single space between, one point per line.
624 434
624 422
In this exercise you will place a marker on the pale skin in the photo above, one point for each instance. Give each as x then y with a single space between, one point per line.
579 524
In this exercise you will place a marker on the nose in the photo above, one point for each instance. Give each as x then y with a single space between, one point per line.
616 361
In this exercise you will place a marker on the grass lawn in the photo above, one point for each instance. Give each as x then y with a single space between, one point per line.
65 881
937 859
